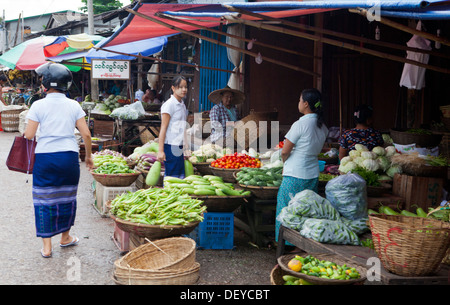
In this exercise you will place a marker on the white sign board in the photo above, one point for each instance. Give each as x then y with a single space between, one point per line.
110 69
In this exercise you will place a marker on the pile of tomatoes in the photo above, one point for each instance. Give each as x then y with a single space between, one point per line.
235 161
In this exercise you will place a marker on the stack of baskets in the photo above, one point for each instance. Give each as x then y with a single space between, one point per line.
410 246
169 261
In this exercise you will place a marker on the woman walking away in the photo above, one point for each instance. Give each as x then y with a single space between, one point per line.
173 129
302 145
56 171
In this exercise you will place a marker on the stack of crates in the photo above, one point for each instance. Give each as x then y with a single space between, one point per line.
216 231
105 193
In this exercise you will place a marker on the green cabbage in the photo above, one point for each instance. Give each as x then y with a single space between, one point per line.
360 147
379 150
394 169
370 165
349 166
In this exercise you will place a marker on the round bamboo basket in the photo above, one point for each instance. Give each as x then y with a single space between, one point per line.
189 277
420 243
262 192
203 168
116 179
153 231
284 260
403 137
226 174
276 275
159 257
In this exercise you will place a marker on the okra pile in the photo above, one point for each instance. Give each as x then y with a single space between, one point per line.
157 206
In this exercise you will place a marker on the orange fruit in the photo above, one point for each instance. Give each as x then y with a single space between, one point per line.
295 265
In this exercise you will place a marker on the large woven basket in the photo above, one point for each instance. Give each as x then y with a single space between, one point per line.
153 231
276 275
284 260
11 120
169 261
116 179
226 174
222 204
410 246
403 137
203 168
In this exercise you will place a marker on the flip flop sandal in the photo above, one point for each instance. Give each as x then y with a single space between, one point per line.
74 242
45 256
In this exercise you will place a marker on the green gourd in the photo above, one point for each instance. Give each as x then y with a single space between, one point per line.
153 174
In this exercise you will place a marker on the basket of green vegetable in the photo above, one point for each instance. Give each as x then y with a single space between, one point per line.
157 213
263 183
421 137
114 174
322 269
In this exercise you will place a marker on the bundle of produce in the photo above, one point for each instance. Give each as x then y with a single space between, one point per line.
260 176
101 159
208 153
133 111
107 106
314 217
348 195
414 163
149 147
145 161
379 160
114 168
156 206
104 152
207 185
236 161
325 177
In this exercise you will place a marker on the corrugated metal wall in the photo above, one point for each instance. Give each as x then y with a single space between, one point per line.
212 55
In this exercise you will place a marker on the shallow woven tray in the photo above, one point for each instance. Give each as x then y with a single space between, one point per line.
153 231
262 192
187 278
226 174
203 168
284 260
224 204
410 246
116 179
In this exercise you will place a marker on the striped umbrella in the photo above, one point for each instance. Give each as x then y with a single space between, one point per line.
28 55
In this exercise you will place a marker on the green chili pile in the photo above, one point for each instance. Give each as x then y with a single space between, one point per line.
157 206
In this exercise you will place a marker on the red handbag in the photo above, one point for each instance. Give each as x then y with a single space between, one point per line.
21 156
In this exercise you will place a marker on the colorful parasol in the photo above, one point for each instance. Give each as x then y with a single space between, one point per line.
77 44
28 55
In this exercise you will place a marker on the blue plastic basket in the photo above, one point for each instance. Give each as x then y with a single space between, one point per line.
322 165
216 231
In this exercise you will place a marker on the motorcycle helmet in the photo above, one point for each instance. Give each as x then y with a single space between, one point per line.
56 76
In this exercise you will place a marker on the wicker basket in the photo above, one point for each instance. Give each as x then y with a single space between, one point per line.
10 120
422 140
169 261
116 179
222 204
262 192
410 246
226 174
203 168
276 275
153 231
284 260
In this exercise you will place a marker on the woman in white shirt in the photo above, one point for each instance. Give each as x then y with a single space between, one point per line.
302 145
56 170
173 129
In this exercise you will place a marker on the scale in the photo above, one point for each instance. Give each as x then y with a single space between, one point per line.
88 106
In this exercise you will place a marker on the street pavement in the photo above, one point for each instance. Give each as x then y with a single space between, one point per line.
91 261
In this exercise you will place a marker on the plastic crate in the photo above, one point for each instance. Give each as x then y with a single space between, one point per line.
105 193
216 231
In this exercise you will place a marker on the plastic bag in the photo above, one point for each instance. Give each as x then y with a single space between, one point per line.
129 112
358 226
308 203
329 231
290 220
348 195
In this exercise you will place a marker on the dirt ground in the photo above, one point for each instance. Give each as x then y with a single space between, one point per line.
91 262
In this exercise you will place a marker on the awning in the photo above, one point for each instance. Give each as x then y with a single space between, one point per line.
209 15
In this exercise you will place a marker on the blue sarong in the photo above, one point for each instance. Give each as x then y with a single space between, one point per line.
288 188
174 164
55 185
